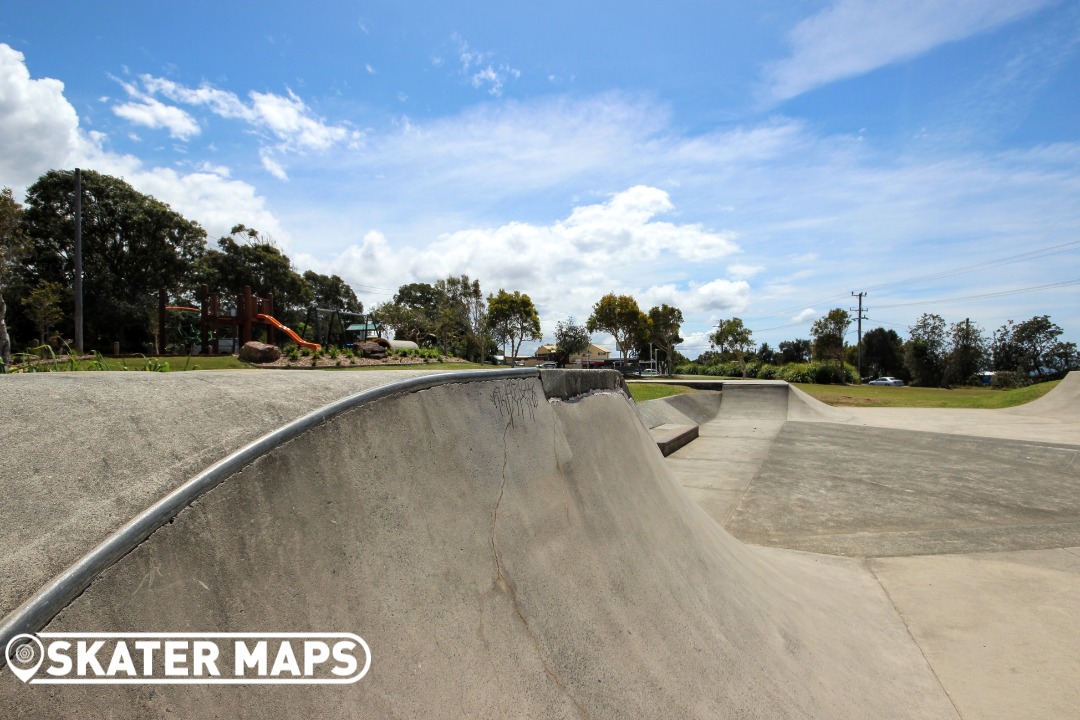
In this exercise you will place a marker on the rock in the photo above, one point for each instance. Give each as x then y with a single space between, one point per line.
375 351
257 352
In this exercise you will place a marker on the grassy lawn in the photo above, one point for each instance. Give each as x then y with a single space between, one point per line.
651 391
876 396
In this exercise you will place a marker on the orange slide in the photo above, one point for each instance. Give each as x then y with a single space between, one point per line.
293 336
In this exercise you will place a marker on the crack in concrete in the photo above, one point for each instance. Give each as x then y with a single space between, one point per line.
868 562
503 584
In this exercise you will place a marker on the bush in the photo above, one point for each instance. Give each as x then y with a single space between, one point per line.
1007 380
819 373
768 372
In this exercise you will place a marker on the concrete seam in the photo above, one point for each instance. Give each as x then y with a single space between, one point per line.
742 497
500 580
1071 550
870 566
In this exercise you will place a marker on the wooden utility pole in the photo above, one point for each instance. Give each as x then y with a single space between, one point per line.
859 318
78 264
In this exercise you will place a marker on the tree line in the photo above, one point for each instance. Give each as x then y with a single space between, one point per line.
134 244
936 353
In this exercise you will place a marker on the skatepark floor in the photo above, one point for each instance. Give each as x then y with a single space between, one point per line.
969 520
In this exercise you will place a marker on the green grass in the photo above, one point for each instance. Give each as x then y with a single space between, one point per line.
969 397
176 363
652 391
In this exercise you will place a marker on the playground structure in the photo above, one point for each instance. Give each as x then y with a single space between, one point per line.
251 310
327 325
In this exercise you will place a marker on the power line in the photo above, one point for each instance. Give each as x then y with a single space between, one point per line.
985 265
1003 293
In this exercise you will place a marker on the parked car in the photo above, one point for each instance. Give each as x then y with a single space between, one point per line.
649 372
886 380
547 365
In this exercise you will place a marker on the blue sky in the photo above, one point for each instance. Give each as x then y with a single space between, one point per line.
762 160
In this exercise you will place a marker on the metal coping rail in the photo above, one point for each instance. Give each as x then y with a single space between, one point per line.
59 592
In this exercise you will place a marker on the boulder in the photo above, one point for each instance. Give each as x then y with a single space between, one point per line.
375 351
257 352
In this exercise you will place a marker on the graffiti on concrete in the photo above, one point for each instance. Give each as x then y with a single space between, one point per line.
516 399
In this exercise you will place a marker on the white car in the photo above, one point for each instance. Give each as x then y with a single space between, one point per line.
649 372
894 382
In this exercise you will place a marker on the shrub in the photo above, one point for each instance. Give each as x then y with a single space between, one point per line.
1007 380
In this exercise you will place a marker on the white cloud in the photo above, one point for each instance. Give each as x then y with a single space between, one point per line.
272 166
154 114
475 66
806 316
286 118
39 131
38 126
852 37
741 271
566 265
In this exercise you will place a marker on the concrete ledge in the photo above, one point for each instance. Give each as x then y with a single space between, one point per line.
565 384
670 437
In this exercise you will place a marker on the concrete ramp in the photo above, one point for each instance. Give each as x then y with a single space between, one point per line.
1063 402
505 552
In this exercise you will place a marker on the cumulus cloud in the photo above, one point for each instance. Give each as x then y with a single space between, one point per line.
568 264
39 131
38 126
806 316
852 37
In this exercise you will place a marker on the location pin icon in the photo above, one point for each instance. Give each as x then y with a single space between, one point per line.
24 653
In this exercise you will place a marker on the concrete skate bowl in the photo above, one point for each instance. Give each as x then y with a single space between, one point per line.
508 545
898 481
968 519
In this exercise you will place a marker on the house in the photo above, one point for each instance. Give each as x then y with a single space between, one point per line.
594 356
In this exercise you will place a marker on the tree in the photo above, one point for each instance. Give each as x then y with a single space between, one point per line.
733 339
332 293
133 244
1030 347
883 353
246 258
570 339
43 306
12 249
967 353
461 316
924 352
664 324
512 318
795 351
413 313
766 355
620 317
828 333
